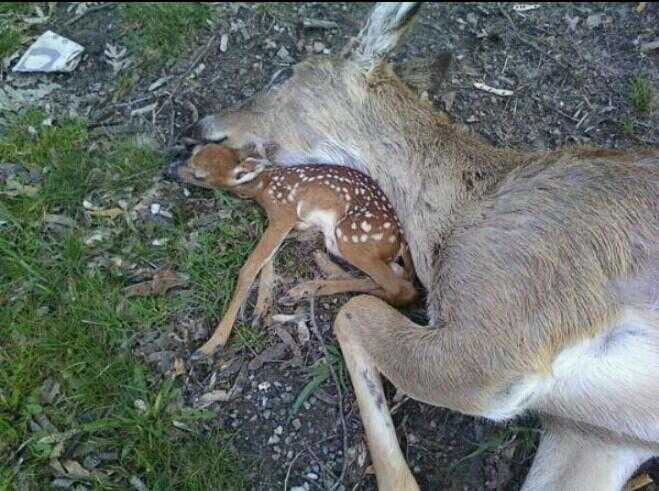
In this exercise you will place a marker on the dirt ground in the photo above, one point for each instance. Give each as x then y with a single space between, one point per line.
570 67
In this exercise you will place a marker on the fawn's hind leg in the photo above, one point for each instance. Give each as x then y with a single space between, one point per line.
384 282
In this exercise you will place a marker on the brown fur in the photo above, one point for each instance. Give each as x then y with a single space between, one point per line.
524 255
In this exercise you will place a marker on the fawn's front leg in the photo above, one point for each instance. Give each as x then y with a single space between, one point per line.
272 238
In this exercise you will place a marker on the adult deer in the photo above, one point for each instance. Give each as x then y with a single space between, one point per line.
541 268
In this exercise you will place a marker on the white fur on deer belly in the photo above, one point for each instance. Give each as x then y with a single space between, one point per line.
325 220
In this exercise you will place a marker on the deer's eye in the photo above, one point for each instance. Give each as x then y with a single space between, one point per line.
240 175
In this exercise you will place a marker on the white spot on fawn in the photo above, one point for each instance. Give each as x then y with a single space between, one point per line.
387 225
366 227
355 239
392 238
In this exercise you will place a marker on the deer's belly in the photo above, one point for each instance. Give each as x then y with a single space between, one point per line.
324 220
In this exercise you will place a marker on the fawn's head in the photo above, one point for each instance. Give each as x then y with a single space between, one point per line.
218 166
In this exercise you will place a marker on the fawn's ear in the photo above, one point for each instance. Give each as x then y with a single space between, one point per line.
382 33
252 163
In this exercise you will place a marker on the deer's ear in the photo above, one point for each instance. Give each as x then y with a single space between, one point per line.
382 33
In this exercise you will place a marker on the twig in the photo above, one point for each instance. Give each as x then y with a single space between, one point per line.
339 394
179 81
290 466
88 11
519 36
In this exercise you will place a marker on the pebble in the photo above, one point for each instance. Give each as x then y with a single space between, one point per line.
273 439
313 476
297 424
279 430
155 208
264 385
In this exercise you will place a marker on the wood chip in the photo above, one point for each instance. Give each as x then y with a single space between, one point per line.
143 110
492 90
224 42
311 23
525 7
650 46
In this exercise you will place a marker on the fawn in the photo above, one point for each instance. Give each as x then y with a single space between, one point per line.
541 268
356 219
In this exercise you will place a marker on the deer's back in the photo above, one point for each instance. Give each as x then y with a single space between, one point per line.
536 263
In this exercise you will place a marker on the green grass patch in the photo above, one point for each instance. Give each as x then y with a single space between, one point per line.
640 94
10 39
64 321
11 27
628 127
161 31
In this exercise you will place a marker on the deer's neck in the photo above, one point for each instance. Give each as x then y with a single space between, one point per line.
431 178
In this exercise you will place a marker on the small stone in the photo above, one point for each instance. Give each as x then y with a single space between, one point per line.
155 208
273 439
594 20
284 55
224 42
264 385
279 430
313 476
297 424
318 47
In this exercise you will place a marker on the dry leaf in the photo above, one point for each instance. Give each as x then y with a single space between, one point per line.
160 284
75 470
111 213
179 367
271 354
210 397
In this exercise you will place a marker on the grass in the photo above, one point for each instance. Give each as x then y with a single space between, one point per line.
10 27
10 39
161 31
64 321
628 127
640 94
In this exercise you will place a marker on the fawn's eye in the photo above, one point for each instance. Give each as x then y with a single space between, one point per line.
240 175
